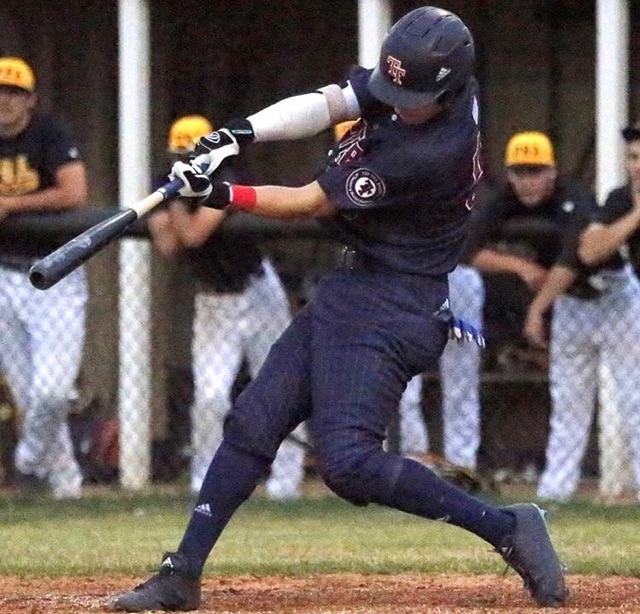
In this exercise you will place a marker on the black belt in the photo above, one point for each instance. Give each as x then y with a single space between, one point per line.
354 260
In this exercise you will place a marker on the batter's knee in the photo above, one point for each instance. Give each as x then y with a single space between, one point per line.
252 433
356 476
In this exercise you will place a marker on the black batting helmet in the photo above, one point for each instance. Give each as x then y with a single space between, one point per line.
427 56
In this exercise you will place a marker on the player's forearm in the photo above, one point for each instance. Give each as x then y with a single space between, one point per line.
69 192
192 229
163 235
599 241
166 244
47 199
286 203
493 261
559 280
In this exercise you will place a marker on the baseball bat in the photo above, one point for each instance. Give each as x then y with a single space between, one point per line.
68 257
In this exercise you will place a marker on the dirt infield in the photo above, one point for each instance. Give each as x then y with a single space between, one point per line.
330 594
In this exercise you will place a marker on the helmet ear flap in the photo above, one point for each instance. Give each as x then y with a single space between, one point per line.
446 97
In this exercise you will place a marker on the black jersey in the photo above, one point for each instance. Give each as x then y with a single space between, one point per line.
404 191
29 160
618 203
28 163
560 219
223 264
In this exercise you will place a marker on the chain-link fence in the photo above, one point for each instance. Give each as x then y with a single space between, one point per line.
184 354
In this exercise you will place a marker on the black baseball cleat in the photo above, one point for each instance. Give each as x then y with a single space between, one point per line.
529 551
171 589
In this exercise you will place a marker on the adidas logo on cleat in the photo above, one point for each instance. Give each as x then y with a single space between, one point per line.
204 509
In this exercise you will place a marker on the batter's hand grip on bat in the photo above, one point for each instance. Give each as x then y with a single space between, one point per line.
68 257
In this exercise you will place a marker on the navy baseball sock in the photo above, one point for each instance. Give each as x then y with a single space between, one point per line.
421 492
231 478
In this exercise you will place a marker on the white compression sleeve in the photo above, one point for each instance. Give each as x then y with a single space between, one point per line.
305 115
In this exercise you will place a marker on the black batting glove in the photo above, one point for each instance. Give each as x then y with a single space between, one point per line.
219 197
241 129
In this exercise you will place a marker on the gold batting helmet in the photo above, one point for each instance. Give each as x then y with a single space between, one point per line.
15 72
185 132
529 149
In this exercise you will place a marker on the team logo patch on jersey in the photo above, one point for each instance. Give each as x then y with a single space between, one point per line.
364 186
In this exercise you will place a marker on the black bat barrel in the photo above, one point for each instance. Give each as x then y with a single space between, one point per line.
68 257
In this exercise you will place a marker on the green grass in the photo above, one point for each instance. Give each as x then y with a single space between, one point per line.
112 533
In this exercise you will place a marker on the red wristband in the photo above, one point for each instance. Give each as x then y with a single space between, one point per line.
243 197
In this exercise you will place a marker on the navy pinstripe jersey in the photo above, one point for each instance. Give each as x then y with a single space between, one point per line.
405 191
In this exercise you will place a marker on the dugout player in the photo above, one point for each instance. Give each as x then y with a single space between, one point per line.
240 310
590 304
42 332
615 226
400 198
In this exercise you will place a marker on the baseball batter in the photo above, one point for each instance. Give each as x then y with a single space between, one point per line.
399 197
240 310
42 332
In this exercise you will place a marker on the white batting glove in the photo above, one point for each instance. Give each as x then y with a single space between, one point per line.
196 183
218 146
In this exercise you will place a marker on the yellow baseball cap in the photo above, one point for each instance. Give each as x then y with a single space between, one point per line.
339 130
185 132
15 72
529 149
